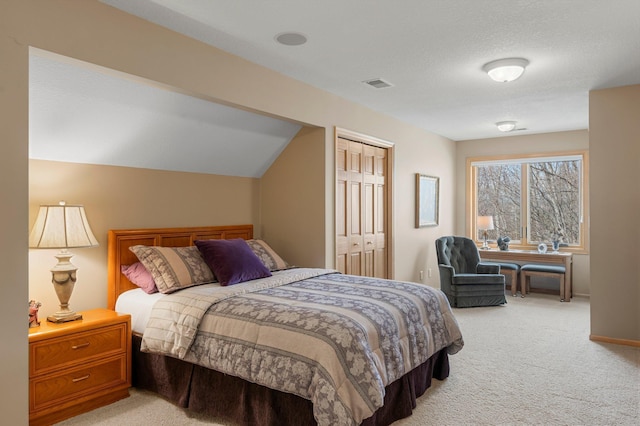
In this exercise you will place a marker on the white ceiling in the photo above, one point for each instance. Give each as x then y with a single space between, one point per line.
432 51
81 113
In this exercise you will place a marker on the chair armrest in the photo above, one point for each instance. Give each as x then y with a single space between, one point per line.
485 268
446 270
446 276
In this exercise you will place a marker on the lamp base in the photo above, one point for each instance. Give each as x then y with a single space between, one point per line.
64 279
59 317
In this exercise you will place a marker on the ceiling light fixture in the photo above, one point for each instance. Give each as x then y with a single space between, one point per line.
291 39
505 70
506 126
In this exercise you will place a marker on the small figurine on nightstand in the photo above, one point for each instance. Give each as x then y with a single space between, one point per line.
33 313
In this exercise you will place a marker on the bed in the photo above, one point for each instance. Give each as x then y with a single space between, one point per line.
194 367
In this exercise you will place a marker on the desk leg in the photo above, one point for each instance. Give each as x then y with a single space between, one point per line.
568 278
514 283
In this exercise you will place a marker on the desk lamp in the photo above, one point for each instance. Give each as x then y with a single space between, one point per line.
485 223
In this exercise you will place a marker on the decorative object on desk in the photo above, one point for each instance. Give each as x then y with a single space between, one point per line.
427 199
556 239
485 223
62 226
33 313
503 243
542 248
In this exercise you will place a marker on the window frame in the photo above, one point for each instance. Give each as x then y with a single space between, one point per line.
522 159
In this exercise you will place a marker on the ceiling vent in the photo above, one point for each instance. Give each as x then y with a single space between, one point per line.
378 83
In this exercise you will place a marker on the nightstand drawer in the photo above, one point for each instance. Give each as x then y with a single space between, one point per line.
75 383
52 354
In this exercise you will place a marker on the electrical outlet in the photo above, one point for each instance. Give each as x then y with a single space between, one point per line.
421 275
429 272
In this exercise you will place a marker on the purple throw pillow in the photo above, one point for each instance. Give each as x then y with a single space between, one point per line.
232 261
140 276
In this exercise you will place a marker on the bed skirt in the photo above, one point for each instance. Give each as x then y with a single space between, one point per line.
232 399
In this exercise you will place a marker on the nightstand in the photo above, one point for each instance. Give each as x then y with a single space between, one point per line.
78 366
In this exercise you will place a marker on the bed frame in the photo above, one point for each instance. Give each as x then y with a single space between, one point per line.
121 240
227 397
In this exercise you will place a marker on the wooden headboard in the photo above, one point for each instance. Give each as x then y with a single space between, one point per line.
121 240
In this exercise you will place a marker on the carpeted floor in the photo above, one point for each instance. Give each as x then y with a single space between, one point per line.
529 362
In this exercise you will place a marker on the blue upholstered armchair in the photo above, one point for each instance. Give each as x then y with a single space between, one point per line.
465 280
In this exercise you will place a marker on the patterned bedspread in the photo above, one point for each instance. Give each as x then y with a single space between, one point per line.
334 339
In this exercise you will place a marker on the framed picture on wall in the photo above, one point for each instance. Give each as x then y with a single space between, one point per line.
427 194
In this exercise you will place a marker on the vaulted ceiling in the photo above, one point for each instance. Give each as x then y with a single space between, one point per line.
79 113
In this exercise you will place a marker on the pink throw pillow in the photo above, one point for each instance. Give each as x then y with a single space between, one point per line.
140 276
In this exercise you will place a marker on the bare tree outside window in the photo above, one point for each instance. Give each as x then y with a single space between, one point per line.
554 195
549 209
499 195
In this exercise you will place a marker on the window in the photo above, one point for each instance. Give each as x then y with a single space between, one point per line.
532 199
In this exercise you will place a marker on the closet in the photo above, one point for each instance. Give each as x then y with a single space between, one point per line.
362 202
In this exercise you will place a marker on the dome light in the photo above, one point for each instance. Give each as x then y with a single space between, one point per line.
505 70
506 126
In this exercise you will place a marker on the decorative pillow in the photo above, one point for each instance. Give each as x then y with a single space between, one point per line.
140 276
174 268
232 261
266 254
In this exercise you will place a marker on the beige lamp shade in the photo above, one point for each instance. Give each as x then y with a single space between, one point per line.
62 226
485 222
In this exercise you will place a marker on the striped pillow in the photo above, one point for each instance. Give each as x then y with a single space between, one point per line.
269 257
174 268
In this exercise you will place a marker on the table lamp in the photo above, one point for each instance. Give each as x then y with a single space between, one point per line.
485 223
62 226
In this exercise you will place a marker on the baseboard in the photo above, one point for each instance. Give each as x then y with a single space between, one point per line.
626 342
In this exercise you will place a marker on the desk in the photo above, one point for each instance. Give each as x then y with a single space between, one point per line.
530 256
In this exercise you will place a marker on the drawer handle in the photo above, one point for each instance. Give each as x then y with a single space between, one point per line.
80 346
79 379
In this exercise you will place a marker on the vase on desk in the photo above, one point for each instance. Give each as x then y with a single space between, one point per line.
555 245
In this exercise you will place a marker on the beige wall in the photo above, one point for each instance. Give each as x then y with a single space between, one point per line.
615 203
293 202
527 144
123 197
14 113
93 32
415 249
